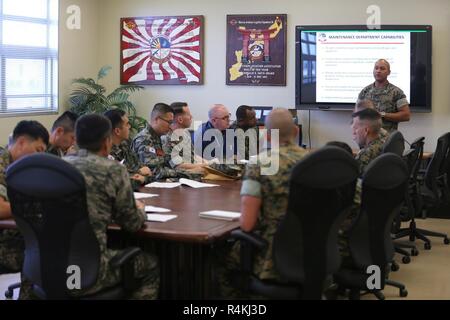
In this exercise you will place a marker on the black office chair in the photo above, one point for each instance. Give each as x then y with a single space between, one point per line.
383 186
305 248
48 202
433 189
395 143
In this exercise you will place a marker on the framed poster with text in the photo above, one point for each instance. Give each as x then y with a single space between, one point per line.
256 50
161 50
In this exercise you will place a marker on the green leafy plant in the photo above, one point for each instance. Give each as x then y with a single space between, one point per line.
89 96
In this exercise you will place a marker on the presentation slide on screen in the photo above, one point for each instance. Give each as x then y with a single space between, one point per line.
345 61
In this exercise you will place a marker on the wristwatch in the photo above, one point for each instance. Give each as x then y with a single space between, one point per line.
383 114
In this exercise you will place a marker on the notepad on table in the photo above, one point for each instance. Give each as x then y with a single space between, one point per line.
155 217
196 184
220 214
156 209
143 195
166 185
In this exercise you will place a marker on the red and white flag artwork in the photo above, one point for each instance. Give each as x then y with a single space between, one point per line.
161 50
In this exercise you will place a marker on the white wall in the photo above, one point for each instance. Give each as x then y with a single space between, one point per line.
325 125
83 52
77 57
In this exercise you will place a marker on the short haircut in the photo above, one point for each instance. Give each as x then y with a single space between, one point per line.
91 130
341 145
32 129
159 109
177 107
66 121
364 104
241 112
371 116
115 116
212 112
367 114
386 62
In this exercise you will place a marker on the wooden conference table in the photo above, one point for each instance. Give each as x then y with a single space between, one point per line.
185 245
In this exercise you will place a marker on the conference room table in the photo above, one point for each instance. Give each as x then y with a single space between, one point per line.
185 245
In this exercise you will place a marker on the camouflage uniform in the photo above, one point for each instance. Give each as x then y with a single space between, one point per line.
370 152
55 151
123 152
110 199
364 157
388 99
245 149
174 143
148 145
12 245
273 191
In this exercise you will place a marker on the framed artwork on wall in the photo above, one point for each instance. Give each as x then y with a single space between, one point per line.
161 50
256 50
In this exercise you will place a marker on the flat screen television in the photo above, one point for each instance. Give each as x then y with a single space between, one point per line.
333 63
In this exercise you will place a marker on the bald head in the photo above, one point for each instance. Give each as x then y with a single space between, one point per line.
281 119
219 116
385 62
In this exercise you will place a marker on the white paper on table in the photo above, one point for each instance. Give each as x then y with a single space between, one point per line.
142 195
156 209
163 185
196 184
220 214
160 217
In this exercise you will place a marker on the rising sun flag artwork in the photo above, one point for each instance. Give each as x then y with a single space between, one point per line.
162 50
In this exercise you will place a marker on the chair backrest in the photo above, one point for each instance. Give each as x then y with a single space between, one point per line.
383 187
395 143
435 167
48 202
417 145
322 188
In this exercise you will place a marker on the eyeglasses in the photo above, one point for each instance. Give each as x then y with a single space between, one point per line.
165 120
225 118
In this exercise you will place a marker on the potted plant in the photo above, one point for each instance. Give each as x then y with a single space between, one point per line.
90 96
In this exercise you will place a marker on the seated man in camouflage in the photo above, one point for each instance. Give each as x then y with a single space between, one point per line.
148 145
28 137
62 136
110 200
121 151
368 104
246 121
177 143
366 127
264 199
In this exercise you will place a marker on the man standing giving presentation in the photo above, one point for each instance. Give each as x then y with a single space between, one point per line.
389 100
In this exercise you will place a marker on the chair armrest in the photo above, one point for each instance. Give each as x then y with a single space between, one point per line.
252 238
123 257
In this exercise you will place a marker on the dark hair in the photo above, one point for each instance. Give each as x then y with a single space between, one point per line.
367 114
31 129
159 109
241 112
341 145
115 116
91 130
177 107
66 121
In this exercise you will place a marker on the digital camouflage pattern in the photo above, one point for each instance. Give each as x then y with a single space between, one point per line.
123 152
148 145
110 199
388 99
368 153
273 191
55 151
175 143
